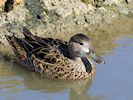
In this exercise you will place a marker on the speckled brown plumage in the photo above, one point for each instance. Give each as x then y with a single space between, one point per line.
49 57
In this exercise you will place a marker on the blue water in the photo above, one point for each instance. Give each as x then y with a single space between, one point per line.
114 80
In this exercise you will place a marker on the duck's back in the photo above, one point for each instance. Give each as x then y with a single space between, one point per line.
33 45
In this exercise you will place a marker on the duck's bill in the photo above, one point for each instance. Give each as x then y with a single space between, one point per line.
97 58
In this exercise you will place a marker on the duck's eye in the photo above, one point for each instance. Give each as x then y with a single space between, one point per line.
81 43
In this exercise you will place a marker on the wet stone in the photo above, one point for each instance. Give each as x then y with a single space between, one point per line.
7 5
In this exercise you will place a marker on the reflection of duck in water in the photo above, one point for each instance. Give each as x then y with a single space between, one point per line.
22 80
55 58
76 88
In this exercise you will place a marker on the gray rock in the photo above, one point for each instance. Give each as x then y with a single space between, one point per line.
46 17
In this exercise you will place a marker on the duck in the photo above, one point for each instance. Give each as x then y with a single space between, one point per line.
55 58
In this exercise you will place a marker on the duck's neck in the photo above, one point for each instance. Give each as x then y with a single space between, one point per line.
85 64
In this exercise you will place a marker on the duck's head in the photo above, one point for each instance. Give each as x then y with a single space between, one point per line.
80 46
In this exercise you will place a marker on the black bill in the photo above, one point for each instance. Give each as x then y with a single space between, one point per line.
96 57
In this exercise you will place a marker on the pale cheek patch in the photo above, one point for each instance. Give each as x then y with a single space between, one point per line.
86 47
86 50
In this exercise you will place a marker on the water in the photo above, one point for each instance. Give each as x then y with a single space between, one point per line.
113 80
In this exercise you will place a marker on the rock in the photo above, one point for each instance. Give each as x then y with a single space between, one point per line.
7 5
18 2
2 3
59 16
64 10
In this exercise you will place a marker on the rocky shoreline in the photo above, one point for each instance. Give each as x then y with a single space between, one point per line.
46 17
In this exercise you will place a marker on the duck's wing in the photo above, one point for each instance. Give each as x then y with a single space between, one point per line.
38 42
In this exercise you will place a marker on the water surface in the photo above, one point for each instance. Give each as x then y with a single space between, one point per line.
113 80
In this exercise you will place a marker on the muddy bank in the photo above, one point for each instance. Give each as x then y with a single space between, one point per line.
46 17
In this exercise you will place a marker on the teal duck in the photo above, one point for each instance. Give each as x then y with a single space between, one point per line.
55 58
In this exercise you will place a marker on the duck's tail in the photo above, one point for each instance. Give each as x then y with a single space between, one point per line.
17 43
18 47
21 50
